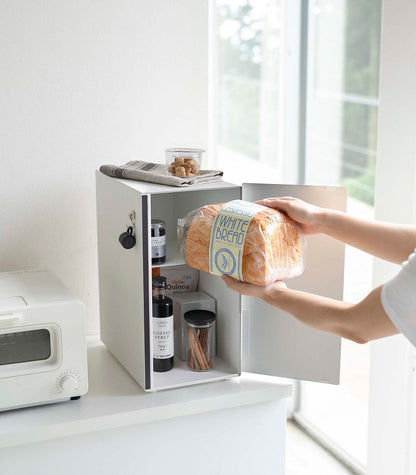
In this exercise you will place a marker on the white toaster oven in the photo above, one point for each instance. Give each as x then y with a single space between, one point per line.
42 341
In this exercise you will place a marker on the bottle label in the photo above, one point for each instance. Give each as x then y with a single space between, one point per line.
158 246
163 337
228 237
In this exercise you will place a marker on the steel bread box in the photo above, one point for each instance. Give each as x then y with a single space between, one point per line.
251 335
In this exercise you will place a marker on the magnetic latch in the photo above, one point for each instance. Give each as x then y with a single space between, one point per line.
127 239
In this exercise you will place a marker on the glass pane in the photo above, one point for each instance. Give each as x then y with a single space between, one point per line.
342 107
343 95
21 347
248 87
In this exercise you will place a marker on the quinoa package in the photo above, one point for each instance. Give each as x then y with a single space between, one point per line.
180 279
249 242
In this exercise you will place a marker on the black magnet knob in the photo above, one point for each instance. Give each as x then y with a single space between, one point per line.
127 240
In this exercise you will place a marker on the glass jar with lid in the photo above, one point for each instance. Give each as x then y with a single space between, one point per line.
184 162
201 341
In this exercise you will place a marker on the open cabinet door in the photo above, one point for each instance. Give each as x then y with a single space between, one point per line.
274 342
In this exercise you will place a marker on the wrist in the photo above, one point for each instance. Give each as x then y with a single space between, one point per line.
324 219
275 293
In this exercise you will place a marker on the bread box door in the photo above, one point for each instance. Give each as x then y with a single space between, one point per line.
275 343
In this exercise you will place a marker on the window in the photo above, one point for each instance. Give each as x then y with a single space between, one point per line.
296 89
248 132
342 94
341 134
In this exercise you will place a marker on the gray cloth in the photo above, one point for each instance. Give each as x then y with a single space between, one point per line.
157 173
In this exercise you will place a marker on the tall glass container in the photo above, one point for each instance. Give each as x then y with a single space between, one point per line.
200 328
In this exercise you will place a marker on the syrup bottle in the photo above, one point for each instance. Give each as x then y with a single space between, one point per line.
162 326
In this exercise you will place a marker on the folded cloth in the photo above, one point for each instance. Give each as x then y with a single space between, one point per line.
157 173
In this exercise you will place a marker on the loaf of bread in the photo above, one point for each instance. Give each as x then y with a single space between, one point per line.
273 247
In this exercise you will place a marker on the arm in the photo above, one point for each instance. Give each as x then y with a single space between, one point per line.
391 242
359 322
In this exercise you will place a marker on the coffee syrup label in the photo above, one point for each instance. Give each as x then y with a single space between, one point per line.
163 337
158 246
228 236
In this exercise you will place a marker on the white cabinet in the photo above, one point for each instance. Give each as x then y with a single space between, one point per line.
251 336
201 429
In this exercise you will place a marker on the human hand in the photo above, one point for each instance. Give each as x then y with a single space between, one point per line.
307 216
259 291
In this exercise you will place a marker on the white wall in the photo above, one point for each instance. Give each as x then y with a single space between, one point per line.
392 424
84 83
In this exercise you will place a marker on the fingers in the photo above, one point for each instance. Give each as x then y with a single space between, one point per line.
283 203
283 198
279 199
242 287
267 293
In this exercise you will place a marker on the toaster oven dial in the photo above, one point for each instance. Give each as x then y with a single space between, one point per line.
67 382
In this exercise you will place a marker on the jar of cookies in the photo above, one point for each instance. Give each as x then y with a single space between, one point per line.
184 162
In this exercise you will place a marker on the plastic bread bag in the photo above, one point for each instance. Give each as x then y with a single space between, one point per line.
249 242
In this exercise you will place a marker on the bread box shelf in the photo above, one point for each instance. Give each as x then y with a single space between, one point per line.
180 375
170 261
259 339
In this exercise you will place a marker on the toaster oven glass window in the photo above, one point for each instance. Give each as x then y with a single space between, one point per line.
21 347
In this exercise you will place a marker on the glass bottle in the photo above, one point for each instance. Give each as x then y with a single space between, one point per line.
158 238
163 337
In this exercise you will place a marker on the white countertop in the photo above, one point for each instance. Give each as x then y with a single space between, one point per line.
115 400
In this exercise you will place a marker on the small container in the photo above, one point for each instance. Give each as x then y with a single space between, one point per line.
200 327
184 162
158 235
183 303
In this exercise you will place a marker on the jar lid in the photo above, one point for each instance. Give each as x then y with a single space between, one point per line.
199 317
186 152
157 223
159 282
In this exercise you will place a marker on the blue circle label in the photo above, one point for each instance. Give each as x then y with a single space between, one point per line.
225 261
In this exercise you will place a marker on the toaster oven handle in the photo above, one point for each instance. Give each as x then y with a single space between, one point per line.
10 318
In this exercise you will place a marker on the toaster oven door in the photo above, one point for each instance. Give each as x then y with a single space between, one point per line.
274 342
29 349
25 346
